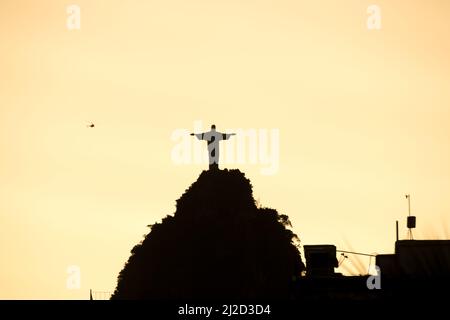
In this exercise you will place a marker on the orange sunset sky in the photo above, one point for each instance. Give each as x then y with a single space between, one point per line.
363 118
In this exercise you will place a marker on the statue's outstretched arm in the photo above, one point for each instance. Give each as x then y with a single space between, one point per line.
226 136
198 135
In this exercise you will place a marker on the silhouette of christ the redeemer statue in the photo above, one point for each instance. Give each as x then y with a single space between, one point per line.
213 137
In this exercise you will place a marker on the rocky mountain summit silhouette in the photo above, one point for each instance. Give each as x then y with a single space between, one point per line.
218 244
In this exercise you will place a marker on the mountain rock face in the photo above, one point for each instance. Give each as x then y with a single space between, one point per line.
217 245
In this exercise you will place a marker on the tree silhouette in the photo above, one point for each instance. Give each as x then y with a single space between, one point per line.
217 245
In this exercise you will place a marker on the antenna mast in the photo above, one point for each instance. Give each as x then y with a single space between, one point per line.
411 220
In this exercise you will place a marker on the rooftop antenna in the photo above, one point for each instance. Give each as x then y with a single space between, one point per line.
411 220
396 230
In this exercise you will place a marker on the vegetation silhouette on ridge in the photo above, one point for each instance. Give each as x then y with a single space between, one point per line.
218 244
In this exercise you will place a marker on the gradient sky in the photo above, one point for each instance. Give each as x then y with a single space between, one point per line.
364 117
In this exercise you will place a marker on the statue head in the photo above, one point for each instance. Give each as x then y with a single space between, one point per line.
213 127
